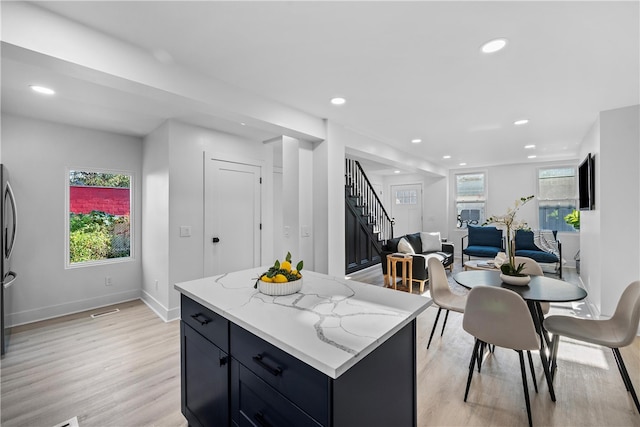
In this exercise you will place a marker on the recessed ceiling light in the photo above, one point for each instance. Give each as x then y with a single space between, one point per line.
530 146
533 156
521 122
463 164
338 101
43 90
396 171
494 45
243 124
446 157
416 141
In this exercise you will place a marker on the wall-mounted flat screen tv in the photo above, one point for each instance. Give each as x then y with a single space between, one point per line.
587 183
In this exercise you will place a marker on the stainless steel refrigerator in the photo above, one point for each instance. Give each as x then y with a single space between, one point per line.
8 219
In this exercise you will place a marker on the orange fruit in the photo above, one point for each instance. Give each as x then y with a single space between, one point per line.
264 278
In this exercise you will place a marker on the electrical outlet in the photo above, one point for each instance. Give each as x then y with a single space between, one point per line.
108 281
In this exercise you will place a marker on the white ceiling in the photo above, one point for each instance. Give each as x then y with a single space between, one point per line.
407 69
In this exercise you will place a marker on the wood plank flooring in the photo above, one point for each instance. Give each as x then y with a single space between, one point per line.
119 370
124 370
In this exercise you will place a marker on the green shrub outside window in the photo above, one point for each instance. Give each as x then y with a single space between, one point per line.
99 235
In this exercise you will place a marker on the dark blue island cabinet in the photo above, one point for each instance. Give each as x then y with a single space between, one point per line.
230 376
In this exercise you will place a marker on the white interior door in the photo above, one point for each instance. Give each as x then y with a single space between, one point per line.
232 216
406 208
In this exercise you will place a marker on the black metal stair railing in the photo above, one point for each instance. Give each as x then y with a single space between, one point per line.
359 186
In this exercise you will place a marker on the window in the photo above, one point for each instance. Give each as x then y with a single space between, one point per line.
406 197
99 207
557 189
470 198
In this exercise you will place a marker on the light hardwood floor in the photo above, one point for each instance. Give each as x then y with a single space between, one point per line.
124 370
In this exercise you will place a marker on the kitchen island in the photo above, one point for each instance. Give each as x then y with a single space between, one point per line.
337 353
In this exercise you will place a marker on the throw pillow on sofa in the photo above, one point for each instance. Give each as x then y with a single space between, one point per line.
414 241
405 247
430 241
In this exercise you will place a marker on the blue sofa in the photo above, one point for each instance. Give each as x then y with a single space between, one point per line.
482 242
525 246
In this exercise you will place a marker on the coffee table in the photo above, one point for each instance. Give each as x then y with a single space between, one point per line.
479 265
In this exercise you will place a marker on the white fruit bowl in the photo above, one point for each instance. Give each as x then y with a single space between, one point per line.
515 280
279 289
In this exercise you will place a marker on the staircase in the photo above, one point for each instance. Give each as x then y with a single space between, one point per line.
367 224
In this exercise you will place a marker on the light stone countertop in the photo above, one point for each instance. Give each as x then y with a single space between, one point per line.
330 324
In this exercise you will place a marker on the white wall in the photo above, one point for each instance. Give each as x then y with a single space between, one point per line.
183 159
293 200
505 184
434 199
38 154
590 271
291 173
306 213
617 174
321 193
328 200
155 220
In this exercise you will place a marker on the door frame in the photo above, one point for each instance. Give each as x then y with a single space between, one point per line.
392 202
266 184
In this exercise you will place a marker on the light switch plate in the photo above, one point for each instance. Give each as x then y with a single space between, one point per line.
185 231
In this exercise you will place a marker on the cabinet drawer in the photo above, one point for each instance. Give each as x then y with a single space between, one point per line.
303 385
209 324
255 403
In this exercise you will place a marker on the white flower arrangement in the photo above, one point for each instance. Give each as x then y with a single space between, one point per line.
510 224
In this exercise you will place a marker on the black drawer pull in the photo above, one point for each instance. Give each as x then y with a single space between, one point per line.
197 316
260 419
224 360
274 371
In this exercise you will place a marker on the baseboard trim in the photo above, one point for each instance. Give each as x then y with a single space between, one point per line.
53 311
164 313
593 309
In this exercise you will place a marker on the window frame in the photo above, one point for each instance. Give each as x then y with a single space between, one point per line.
483 199
412 197
132 227
570 229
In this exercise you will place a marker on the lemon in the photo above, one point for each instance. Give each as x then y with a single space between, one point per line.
286 265
264 278
280 278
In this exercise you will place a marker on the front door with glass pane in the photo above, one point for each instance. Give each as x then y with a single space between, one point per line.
406 208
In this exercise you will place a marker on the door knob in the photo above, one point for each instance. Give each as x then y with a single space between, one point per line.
216 239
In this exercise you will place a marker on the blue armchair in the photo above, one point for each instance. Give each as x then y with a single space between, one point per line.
482 242
526 247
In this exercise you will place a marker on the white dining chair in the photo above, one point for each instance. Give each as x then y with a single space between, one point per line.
442 295
618 331
500 317
532 268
